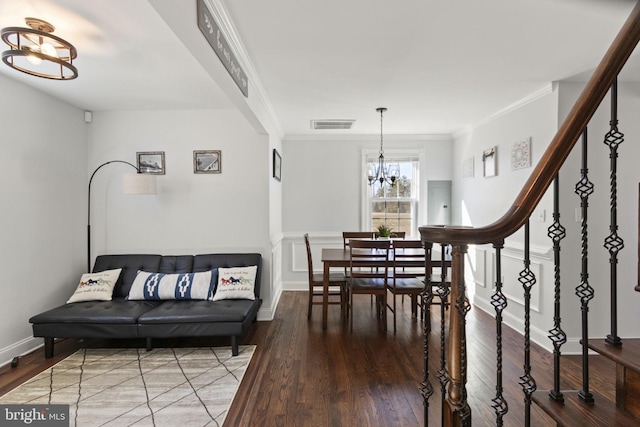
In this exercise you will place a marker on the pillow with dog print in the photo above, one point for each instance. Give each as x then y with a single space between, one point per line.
236 283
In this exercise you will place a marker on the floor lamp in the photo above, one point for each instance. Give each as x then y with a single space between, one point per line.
133 183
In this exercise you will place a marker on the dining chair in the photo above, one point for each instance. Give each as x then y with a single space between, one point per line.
364 254
398 234
395 235
407 275
337 285
348 235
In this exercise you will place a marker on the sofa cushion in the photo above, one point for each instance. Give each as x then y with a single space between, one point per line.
236 283
116 311
96 286
130 265
176 264
199 312
180 286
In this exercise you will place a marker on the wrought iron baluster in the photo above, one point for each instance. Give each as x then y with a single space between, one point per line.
499 302
614 243
443 293
584 188
558 337
527 279
464 306
637 288
426 299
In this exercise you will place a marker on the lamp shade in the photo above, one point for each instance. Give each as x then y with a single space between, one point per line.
139 183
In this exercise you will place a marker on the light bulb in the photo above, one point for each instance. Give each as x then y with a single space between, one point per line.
32 58
44 48
49 50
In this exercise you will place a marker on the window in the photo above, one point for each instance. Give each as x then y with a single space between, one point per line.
394 206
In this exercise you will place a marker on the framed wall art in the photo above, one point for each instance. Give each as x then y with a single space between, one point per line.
467 168
277 165
521 154
207 161
151 162
489 161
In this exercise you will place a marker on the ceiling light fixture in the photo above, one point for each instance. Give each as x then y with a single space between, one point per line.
37 52
380 173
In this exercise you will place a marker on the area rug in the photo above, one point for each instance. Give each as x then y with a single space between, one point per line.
178 387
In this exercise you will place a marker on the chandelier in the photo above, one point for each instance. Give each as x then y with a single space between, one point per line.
382 173
37 52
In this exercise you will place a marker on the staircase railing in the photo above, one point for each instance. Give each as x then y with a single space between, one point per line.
456 411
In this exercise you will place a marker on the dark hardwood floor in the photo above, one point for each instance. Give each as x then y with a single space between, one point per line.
301 375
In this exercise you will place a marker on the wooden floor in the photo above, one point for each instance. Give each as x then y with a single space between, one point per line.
301 375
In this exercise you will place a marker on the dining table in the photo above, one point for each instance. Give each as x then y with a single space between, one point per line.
340 258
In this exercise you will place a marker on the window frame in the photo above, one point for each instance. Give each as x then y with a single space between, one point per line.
393 156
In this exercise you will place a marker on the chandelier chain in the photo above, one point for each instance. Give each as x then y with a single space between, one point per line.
381 133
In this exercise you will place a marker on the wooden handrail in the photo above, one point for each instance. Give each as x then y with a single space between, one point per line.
557 151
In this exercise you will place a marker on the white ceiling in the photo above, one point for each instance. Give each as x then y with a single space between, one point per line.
438 66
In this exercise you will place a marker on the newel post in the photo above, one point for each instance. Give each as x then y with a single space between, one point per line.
457 410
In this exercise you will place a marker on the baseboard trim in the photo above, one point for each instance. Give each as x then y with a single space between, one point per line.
268 313
19 348
295 285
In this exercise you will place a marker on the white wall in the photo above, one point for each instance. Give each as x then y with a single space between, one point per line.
43 170
324 177
203 213
322 182
479 201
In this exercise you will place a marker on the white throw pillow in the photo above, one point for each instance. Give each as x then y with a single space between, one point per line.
180 286
236 283
96 286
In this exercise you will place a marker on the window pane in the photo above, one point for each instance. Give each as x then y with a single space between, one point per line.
397 215
403 186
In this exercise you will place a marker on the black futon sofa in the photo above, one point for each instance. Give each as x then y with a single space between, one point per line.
121 318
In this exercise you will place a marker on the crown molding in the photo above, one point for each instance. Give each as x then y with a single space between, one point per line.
540 93
369 137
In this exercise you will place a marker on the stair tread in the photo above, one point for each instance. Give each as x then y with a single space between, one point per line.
576 412
628 354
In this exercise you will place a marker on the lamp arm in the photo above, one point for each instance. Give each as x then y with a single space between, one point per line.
89 207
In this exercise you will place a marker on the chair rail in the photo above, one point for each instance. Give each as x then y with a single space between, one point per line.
557 151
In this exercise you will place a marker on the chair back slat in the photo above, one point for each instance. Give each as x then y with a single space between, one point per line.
411 254
348 235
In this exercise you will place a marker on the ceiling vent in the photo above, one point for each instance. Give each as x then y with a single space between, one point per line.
332 124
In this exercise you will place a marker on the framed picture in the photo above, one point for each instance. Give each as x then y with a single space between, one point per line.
277 165
489 161
467 168
151 162
207 161
521 154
